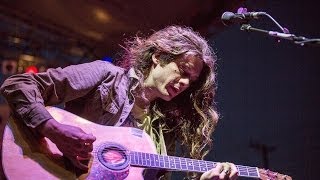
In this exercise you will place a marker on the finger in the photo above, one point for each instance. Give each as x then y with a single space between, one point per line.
88 138
213 173
74 151
85 157
82 145
84 154
226 166
69 151
76 162
225 170
88 147
234 172
206 175
78 145
223 175
218 168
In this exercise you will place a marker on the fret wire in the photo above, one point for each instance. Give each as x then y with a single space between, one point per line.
144 159
180 163
247 167
243 170
171 162
183 163
211 164
203 166
147 159
190 164
166 162
253 172
152 163
247 171
177 162
134 156
206 162
141 158
161 160
196 165
199 163
257 171
131 158
137 157
157 160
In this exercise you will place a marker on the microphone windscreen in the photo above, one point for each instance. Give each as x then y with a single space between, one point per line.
227 17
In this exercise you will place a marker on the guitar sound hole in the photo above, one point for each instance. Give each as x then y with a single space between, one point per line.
113 156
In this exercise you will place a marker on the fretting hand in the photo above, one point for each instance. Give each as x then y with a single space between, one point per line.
221 171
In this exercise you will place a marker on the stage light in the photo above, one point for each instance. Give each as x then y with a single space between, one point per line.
101 15
108 59
31 69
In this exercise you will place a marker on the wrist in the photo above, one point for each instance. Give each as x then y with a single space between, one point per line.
46 128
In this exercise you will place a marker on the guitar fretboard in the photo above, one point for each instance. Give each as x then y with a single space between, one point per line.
173 163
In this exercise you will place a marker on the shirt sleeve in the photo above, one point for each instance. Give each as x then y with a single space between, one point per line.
27 94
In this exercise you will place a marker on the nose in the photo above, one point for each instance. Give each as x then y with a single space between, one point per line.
184 82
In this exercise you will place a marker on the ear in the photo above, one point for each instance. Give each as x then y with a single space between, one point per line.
155 59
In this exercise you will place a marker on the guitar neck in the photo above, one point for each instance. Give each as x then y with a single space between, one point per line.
173 163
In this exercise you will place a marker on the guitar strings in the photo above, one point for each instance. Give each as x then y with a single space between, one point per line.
210 164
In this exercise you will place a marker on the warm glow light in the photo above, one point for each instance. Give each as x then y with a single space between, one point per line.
27 57
16 40
94 34
31 69
101 15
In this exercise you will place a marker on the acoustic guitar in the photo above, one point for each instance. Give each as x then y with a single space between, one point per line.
118 153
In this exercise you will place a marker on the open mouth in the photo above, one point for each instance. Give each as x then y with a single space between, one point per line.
172 90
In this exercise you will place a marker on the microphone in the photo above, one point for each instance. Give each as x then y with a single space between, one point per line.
229 18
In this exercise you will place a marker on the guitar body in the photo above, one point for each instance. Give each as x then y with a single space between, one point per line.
26 156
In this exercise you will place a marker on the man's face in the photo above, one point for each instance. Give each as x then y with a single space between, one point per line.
167 81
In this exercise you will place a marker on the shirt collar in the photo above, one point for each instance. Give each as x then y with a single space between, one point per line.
134 79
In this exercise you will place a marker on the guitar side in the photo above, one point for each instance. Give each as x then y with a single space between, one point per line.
26 156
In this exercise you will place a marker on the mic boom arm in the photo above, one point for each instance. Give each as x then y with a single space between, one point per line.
300 40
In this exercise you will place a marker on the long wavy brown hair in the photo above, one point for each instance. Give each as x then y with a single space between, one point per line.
191 115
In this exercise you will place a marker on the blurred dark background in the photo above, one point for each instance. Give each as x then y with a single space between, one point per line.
268 90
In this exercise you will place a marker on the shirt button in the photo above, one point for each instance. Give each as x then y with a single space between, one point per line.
121 120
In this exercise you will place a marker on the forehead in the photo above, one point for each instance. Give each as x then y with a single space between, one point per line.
192 61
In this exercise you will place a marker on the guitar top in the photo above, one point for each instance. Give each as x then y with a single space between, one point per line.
118 153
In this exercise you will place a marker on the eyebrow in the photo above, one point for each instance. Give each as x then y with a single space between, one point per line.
188 66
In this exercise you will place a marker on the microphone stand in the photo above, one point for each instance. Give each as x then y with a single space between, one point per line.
300 40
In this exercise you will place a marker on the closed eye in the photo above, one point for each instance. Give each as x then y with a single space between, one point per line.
184 73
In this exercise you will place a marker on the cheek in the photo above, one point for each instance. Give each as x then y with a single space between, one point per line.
168 75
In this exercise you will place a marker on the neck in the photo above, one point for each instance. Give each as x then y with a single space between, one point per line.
145 93
144 97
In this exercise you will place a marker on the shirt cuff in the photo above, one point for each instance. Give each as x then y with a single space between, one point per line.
37 115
